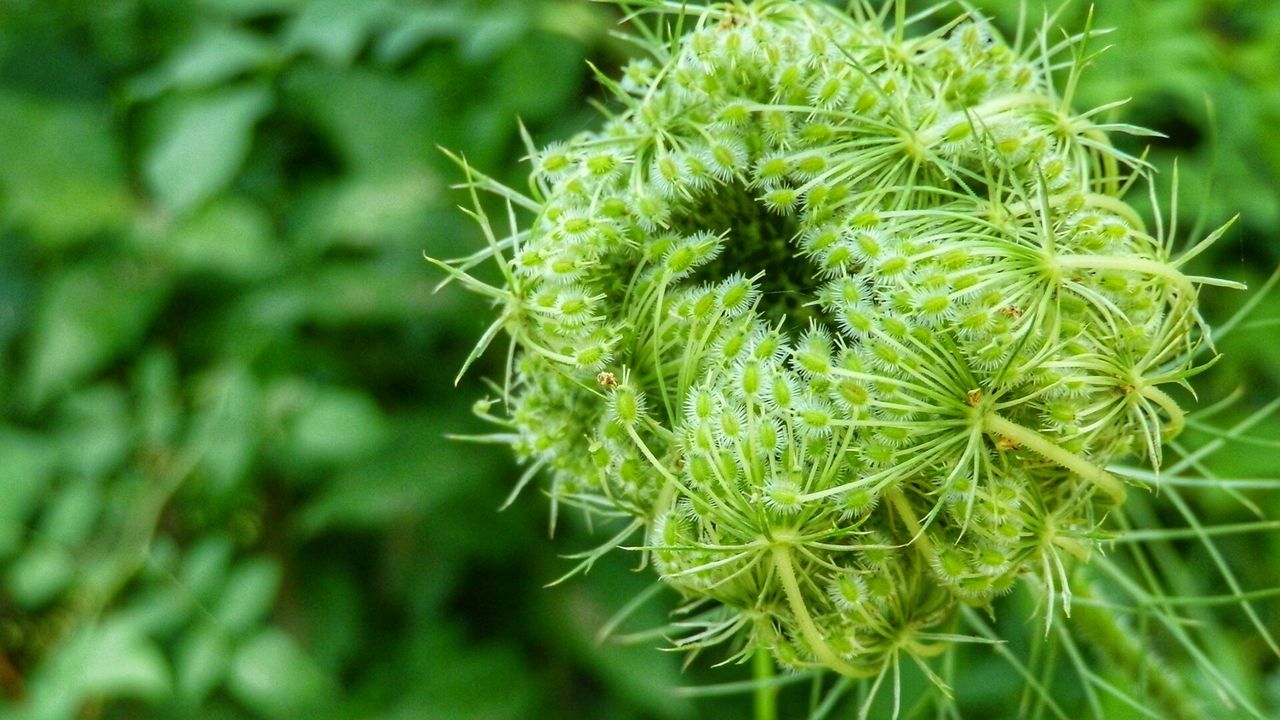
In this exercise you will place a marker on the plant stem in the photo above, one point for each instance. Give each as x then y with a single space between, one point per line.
1133 656
766 694
908 516
1129 264
1094 200
810 631
1105 481
1177 419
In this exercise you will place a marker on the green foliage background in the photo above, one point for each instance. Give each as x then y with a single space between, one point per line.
225 382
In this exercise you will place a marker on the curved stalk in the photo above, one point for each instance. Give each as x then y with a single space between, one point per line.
1177 418
908 516
1032 440
810 631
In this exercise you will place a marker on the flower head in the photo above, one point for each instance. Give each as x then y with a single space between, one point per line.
878 311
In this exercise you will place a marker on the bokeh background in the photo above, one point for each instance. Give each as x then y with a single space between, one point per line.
225 381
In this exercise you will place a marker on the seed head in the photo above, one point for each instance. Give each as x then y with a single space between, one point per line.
834 295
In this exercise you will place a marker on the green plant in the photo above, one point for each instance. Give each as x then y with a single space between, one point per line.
223 471
845 314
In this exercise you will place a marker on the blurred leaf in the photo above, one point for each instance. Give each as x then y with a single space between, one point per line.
336 425
94 435
43 63
40 574
159 609
206 565
335 623
62 176
635 672
368 210
28 462
156 386
201 661
453 680
539 76
341 104
231 237
346 293
495 31
418 26
17 292
200 142
115 660
335 29
271 675
484 682
248 595
249 8
216 55
88 315
398 483
72 513
225 427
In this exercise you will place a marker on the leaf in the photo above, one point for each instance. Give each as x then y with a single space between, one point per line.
161 609
248 595
29 461
18 283
230 237
217 55
494 32
272 676
63 174
482 681
419 473
379 123
335 30
539 76
635 672
368 211
205 566
94 431
88 315
200 663
337 426
72 513
118 661
249 8
40 574
224 432
158 414
334 614
419 26
199 143
344 294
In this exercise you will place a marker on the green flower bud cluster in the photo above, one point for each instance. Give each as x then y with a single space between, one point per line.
849 320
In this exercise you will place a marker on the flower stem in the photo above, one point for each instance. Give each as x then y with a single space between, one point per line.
908 516
1129 264
766 695
1028 438
810 631
1132 655
1177 419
